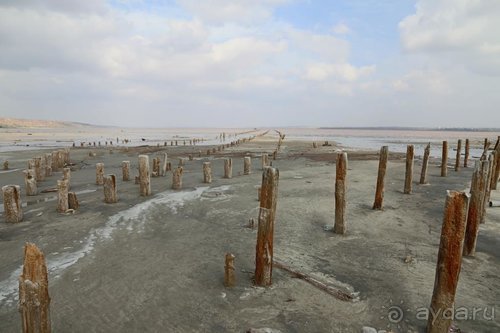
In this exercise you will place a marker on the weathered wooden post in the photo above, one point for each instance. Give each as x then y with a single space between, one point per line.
39 171
181 161
30 182
73 201
62 196
156 167
459 152
110 195
425 163
315 145
477 193
487 191
444 160
12 205
228 168
449 261
55 163
467 153
410 153
247 165
34 299
264 161
382 167
99 173
48 165
164 165
177 178
6 165
67 176
265 233
486 143
207 173
144 176
126 171
275 155
496 169
340 191
229 271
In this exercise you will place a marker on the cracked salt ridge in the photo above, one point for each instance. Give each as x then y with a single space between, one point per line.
57 264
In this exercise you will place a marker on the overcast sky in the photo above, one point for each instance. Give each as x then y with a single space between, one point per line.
252 62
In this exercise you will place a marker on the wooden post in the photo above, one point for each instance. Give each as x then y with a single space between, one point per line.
487 191
12 205
410 153
228 168
275 155
264 161
48 165
156 167
486 143
34 299
467 153
459 151
126 171
73 201
110 195
444 160
164 165
6 165
425 163
382 167
265 233
30 182
229 276
39 171
62 196
67 176
177 178
99 173
181 162
247 165
477 193
144 176
207 173
315 145
55 163
340 192
496 169
449 261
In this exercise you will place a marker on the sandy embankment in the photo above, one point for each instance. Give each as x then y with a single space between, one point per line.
156 264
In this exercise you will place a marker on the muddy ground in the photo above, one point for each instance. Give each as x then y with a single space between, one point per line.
156 264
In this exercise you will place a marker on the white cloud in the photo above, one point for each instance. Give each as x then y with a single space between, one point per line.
341 29
340 71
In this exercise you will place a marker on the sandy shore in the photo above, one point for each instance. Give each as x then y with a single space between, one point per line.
156 264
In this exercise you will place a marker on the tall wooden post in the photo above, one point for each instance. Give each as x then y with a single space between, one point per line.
207 173
487 191
177 178
39 170
247 165
30 182
144 176
496 169
459 152
444 160
265 233
12 205
467 153
410 153
340 192
126 171
67 176
48 165
477 192
425 163
449 261
34 299
164 165
228 168
229 276
62 196
110 195
382 167
99 173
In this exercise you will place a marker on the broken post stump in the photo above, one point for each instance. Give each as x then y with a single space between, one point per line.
459 151
6 165
110 195
207 173
73 201
264 161
12 205
275 155
265 233
228 168
48 165
30 182
425 163
34 299
467 153
144 176
444 160
156 167
229 271
177 178
247 165
126 171
477 193
340 192
39 170
382 167
99 173
410 153
62 196
449 260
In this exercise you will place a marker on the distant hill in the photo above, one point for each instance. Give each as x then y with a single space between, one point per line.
35 123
